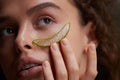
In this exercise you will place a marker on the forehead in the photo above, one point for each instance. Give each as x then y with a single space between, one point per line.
23 5
30 3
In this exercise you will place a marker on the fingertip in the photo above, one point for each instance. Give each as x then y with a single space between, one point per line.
45 64
92 47
48 75
54 46
92 61
64 42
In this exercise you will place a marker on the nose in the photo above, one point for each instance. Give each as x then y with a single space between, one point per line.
24 38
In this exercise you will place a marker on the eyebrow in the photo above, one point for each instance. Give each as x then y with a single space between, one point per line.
4 18
42 6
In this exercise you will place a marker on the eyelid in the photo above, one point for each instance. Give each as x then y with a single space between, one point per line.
46 16
43 14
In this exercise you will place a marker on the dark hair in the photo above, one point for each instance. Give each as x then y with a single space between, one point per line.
106 33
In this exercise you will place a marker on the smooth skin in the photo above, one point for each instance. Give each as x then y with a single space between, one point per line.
74 58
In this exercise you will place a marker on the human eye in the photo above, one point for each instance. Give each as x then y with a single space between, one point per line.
44 21
8 31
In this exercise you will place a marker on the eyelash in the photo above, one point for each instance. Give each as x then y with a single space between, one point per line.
8 31
44 21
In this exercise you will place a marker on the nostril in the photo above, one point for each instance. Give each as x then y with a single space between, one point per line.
27 46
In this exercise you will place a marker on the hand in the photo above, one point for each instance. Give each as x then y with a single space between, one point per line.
66 65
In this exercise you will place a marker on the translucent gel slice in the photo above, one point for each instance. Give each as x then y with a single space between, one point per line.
45 42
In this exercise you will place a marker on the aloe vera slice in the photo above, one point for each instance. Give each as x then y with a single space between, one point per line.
45 42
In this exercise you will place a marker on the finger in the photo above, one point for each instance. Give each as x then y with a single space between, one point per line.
48 75
91 71
60 69
70 60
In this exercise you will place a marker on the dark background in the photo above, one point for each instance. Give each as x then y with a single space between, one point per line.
115 10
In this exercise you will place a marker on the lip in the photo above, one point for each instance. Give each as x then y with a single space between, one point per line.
30 71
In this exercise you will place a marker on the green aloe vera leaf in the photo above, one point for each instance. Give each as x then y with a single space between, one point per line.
45 42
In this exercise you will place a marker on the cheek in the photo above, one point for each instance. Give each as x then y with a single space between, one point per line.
6 59
78 47
78 40
6 52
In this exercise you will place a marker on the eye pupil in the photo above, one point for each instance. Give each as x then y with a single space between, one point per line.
10 30
46 20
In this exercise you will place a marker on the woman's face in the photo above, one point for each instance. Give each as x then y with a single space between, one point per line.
22 21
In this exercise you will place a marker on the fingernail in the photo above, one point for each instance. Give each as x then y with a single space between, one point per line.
54 46
45 64
65 42
92 47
